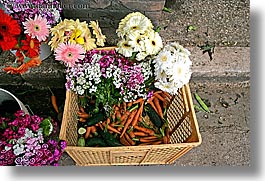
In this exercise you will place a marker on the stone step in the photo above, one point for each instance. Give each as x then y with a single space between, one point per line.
228 64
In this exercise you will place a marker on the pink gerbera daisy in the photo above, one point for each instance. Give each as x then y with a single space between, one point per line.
69 53
37 27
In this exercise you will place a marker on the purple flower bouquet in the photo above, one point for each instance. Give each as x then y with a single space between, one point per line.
28 141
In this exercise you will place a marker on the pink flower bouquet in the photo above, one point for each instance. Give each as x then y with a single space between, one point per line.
28 141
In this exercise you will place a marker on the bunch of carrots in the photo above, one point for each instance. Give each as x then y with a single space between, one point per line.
130 123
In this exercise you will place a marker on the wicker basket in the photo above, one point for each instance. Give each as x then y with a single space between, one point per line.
182 121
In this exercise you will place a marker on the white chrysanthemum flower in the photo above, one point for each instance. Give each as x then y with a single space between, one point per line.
153 43
141 56
135 40
120 31
161 75
135 21
167 87
124 48
139 23
164 60
179 48
181 73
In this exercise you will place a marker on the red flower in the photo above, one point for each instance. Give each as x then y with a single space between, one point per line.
31 46
9 31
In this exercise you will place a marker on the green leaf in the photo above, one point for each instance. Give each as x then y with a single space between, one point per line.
202 104
158 29
81 142
191 28
47 126
167 10
133 56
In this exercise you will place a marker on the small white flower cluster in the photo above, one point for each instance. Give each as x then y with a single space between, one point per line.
146 69
137 36
172 68
87 77
21 144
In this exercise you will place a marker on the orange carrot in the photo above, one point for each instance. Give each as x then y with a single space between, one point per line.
160 97
150 99
138 133
146 130
150 137
83 115
167 133
124 141
82 120
93 129
116 107
124 106
167 94
122 125
125 115
118 114
54 101
131 134
129 139
108 120
140 100
128 121
145 140
81 109
164 139
88 130
138 114
110 128
158 107
129 104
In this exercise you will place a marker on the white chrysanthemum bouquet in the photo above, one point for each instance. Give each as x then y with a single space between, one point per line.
139 41
172 68
138 38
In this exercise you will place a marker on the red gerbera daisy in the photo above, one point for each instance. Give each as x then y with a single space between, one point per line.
9 31
31 46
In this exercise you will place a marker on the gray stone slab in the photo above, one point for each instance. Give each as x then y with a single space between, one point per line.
230 63
226 130
221 22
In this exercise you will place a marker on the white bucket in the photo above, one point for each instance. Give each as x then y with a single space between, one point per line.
7 96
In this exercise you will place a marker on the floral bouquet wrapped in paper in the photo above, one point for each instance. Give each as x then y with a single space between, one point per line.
25 26
28 141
